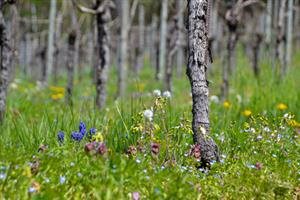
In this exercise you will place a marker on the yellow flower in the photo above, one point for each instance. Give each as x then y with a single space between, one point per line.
27 172
57 96
226 104
98 137
36 186
247 113
281 106
57 89
294 123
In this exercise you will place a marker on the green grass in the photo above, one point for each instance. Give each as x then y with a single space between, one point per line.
33 118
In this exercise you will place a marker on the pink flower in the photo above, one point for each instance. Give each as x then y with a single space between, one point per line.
154 148
136 196
195 151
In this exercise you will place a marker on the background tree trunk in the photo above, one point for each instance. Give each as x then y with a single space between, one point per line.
163 38
70 66
181 37
103 41
50 48
196 71
140 55
289 35
122 62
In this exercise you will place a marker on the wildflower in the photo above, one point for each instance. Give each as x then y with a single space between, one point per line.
102 149
281 106
135 196
62 179
195 151
258 165
267 129
138 161
42 148
34 167
76 136
148 114
239 98
214 99
155 148
167 94
226 104
98 137
61 137
247 113
259 137
35 187
57 89
157 93
57 96
14 85
89 147
92 132
82 128
131 150
2 176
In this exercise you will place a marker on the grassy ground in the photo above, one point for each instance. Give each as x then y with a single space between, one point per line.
256 130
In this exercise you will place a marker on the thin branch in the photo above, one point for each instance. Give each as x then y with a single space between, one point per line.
132 11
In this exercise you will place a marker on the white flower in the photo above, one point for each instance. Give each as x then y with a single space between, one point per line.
148 114
287 116
31 190
239 98
214 99
267 129
259 137
14 85
157 93
62 179
2 176
167 94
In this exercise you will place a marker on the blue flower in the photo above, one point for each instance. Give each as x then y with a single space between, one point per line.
82 128
77 136
61 137
92 132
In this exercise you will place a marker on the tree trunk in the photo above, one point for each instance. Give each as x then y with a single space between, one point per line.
280 50
140 56
255 49
5 53
103 41
289 36
50 49
163 38
172 44
181 36
57 63
14 40
70 66
122 61
196 71
269 24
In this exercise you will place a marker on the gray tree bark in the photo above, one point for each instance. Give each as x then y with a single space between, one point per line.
289 35
269 23
14 40
103 41
140 55
196 71
59 22
181 36
122 62
172 44
163 38
50 48
70 66
5 53
281 37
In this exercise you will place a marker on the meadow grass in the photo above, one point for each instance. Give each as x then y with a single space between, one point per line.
259 151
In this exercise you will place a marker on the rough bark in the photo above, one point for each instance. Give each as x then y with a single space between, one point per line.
140 56
14 40
59 22
5 53
163 37
196 71
50 47
70 66
103 41
256 49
